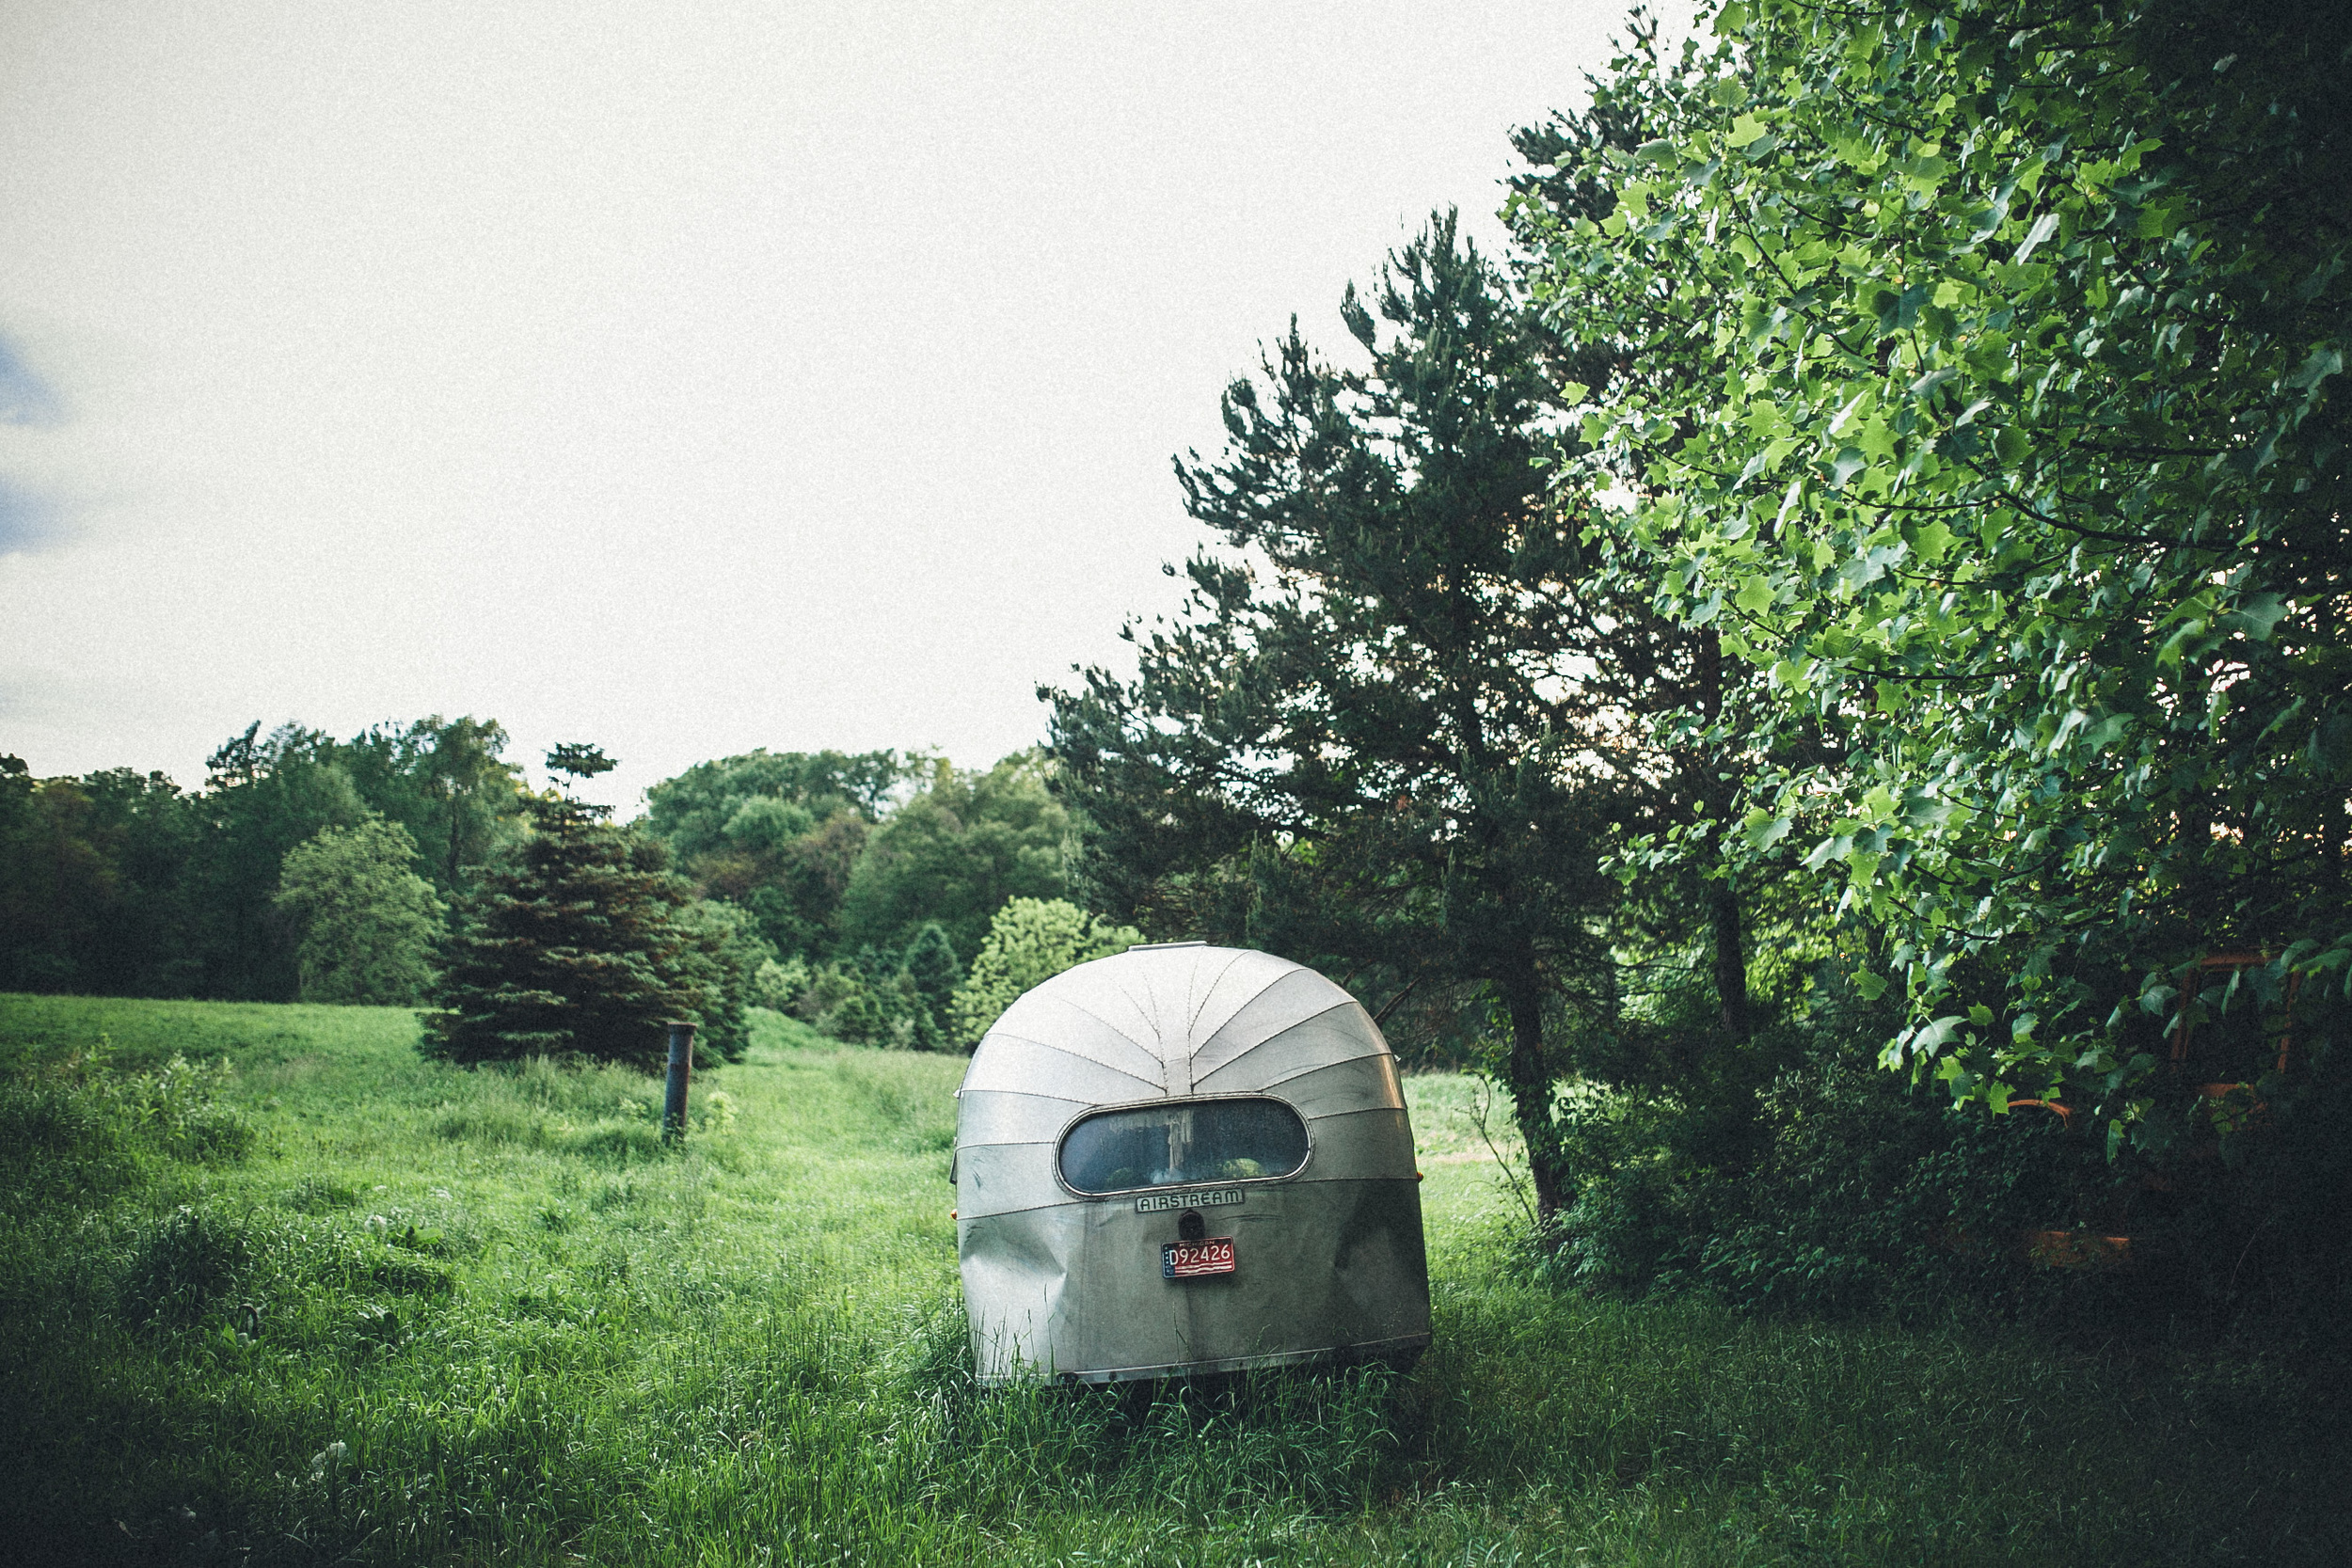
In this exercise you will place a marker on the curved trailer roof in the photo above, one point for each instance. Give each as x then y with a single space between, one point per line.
1174 1022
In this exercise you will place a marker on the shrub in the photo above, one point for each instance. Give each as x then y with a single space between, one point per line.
76 1111
879 997
177 1106
183 1264
778 986
49 1116
1866 1196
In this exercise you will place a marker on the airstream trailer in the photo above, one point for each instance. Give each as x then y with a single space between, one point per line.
1182 1160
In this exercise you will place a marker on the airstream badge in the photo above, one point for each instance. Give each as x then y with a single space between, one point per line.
1159 1203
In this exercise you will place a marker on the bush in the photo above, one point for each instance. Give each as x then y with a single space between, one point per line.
779 986
178 1107
1849 1192
882 998
1867 1197
49 1116
185 1264
79 1111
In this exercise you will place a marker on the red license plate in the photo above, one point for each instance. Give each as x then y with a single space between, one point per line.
1191 1260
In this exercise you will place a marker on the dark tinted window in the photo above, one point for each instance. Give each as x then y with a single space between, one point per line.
1186 1141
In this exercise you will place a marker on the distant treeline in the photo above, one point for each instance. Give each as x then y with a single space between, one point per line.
120 882
123 883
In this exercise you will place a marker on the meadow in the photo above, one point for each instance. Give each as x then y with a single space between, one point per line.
332 1302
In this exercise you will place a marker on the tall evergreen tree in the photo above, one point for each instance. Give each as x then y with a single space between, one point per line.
582 942
1366 741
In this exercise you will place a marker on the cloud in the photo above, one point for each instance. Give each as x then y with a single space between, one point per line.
28 520
25 398
30 517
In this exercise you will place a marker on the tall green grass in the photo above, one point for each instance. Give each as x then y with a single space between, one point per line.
411 1313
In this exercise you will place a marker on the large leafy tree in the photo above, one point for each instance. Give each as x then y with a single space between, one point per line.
130 885
54 884
2021 458
777 833
582 942
366 923
95 879
447 782
148 829
954 853
263 795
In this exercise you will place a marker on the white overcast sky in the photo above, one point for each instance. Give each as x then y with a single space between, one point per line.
683 378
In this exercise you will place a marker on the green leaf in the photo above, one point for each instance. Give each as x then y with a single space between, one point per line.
1573 392
2011 446
2323 362
2045 226
1922 810
1871 986
1935 1035
2256 616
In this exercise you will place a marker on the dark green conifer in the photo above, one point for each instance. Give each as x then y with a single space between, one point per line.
931 973
582 942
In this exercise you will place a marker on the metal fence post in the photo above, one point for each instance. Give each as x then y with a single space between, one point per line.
674 1096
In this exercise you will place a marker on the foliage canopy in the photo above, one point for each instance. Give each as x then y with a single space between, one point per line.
2018 455
368 923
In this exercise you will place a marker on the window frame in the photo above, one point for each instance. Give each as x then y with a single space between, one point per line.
1092 1112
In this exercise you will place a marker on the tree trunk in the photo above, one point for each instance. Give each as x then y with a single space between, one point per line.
1723 897
1731 959
1530 1079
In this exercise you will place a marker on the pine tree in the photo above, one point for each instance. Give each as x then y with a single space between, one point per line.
931 972
582 942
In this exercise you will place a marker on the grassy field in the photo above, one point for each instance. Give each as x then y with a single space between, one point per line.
336 1304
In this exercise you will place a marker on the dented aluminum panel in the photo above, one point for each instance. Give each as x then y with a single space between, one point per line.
1327 1259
